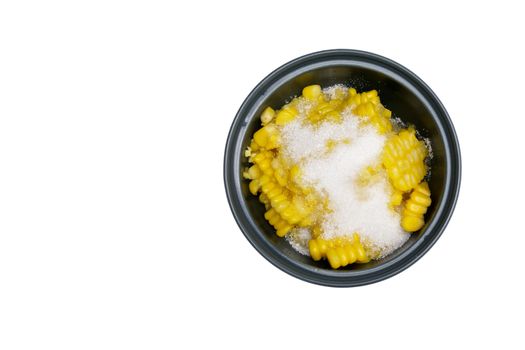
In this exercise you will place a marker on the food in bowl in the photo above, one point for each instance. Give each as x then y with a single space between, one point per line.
340 178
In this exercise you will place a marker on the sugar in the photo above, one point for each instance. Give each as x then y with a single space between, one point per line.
301 141
334 174
298 239
332 91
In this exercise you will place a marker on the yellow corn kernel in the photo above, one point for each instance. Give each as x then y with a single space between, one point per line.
339 251
396 198
272 193
285 115
266 166
254 146
306 221
263 198
403 157
354 99
267 115
324 107
267 137
281 226
283 230
268 187
315 252
314 117
370 94
412 223
264 179
254 172
294 219
365 109
334 258
280 206
360 253
295 172
258 157
281 176
381 123
312 92
278 199
254 187
415 208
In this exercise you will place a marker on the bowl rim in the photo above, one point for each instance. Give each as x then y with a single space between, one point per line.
347 278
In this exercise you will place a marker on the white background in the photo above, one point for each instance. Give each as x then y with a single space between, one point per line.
115 231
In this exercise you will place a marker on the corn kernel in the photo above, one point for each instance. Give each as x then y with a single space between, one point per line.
415 207
285 115
403 158
412 223
267 137
254 172
267 115
315 252
254 187
339 251
312 92
396 199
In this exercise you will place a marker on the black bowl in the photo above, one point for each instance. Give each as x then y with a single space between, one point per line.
401 91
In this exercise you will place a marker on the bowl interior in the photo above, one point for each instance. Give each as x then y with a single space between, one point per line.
396 94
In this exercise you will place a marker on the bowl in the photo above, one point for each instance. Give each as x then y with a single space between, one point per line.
401 91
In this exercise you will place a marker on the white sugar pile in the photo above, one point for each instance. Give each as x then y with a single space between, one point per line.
304 141
353 208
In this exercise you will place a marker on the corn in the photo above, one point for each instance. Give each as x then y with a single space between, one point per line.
267 115
368 106
306 222
277 222
267 137
338 251
403 158
354 99
328 110
415 208
396 198
312 92
285 115
281 177
254 172
254 187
